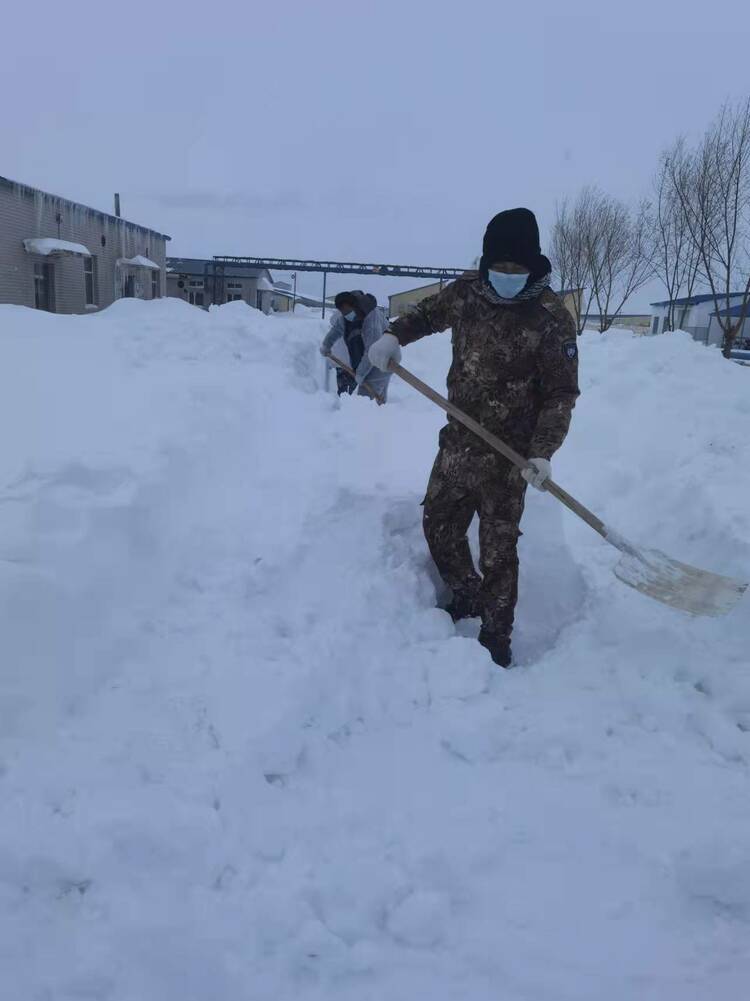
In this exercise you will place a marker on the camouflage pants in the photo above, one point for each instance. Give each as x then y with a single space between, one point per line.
464 483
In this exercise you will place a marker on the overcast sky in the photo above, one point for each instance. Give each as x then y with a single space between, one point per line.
382 131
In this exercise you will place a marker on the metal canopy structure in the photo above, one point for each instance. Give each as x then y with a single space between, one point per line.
215 270
342 267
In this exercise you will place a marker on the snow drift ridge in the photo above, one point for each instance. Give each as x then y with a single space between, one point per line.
243 755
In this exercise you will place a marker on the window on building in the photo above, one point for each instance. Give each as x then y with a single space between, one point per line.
90 279
234 285
233 296
655 325
44 287
195 298
196 284
156 284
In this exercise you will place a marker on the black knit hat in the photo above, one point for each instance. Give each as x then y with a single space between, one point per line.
343 297
513 235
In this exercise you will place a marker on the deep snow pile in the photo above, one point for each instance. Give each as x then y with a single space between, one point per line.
243 756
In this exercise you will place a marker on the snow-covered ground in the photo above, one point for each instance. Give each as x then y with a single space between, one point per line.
242 756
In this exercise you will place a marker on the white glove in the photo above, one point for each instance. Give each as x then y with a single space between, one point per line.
537 473
385 350
325 350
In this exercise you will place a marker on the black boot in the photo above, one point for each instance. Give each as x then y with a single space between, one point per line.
498 646
463 605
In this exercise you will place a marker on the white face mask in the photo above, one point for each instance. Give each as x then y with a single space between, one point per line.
351 316
506 285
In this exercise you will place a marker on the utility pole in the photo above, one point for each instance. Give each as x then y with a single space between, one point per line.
117 204
294 297
325 276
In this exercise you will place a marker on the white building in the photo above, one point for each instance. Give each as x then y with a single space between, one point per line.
192 279
696 314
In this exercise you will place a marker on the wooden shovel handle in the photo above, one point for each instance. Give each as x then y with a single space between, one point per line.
499 446
350 371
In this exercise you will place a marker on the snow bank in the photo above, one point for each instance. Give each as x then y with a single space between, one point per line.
243 755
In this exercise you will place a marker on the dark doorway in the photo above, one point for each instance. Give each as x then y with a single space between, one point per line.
44 287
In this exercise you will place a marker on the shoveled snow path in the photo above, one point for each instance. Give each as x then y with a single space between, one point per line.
246 757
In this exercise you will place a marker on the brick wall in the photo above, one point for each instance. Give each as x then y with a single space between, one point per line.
26 213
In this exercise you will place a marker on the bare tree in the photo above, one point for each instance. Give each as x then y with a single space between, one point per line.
565 258
676 257
713 186
571 235
600 247
620 253
692 278
560 249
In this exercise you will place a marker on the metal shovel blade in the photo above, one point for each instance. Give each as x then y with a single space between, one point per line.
657 575
647 570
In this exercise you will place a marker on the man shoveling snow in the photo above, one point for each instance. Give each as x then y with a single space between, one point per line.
358 323
515 371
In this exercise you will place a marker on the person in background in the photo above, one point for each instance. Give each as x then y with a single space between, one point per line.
347 327
359 324
515 371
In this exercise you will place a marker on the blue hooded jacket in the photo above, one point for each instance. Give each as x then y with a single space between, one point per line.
374 325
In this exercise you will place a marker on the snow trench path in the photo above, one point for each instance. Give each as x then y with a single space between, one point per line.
245 757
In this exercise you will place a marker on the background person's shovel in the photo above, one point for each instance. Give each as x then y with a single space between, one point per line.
649 571
350 371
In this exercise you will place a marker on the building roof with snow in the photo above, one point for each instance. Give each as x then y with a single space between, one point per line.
29 192
47 246
197 266
139 261
304 300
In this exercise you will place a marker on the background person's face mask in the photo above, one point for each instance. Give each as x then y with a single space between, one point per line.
351 316
506 285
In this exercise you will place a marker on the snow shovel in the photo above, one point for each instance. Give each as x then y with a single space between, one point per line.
649 571
350 371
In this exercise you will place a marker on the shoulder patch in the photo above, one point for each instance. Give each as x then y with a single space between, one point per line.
570 350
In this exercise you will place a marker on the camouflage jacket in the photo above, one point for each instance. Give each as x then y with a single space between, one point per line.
515 365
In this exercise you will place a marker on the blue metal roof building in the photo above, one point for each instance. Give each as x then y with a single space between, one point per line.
694 300
734 310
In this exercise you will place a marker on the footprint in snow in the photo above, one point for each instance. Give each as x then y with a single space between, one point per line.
421 920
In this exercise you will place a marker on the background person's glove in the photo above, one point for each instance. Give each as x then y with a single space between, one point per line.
385 350
537 473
